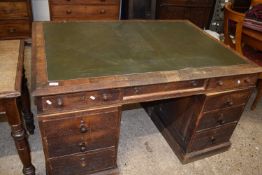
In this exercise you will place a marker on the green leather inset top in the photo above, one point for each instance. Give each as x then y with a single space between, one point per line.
92 49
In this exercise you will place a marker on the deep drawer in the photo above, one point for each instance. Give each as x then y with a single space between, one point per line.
82 164
232 82
89 125
220 117
212 137
96 11
20 29
79 100
78 2
13 10
228 99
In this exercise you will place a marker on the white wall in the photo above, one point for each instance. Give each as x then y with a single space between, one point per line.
40 10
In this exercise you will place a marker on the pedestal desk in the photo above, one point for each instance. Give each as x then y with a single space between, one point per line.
12 90
193 87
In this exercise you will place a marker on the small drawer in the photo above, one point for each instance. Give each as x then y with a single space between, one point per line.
232 82
78 2
88 125
212 137
15 30
220 117
13 10
226 100
82 164
177 86
68 11
102 11
79 100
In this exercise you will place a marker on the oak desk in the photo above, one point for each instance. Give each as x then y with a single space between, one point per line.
193 87
13 87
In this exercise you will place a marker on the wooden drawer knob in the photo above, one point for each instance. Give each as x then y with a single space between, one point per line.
59 102
105 97
82 147
229 102
12 30
83 128
103 11
83 162
220 83
213 139
68 12
221 120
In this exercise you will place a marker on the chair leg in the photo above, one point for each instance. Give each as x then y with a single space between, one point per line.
259 94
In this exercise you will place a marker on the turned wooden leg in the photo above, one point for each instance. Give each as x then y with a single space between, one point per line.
259 94
26 106
19 135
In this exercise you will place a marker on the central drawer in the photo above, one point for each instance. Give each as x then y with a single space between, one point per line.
93 2
13 10
83 164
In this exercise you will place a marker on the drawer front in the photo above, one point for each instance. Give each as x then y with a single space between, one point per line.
212 137
82 164
220 117
80 11
15 30
13 10
86 125
226 100
92 2
79 100
149 89
223 83
81 143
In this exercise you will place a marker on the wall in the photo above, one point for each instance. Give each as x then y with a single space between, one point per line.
40 10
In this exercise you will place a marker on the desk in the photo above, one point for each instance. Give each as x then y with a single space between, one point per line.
193 87
11 66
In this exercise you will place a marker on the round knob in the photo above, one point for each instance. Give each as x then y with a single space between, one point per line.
213 139
68 12
102 11
229 103
59 102
136 90
12 30
220 120
194 83
82 147
83 128
247 80
220 83
83 162
105 97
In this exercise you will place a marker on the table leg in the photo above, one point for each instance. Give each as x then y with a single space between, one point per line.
26 106
19 135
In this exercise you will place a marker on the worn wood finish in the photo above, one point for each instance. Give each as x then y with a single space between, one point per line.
197 11
186 107
73 10
15 19
8 100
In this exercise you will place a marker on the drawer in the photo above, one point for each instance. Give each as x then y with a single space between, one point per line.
226 100
223 83
89 125
15 30
97 139
220 117
212 137
82 164
68 10
78 2
177 86
80 11
13 10
79 100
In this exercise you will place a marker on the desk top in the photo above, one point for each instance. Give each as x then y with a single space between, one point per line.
119 52
11 68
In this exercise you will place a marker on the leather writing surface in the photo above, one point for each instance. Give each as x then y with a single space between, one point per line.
92 49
